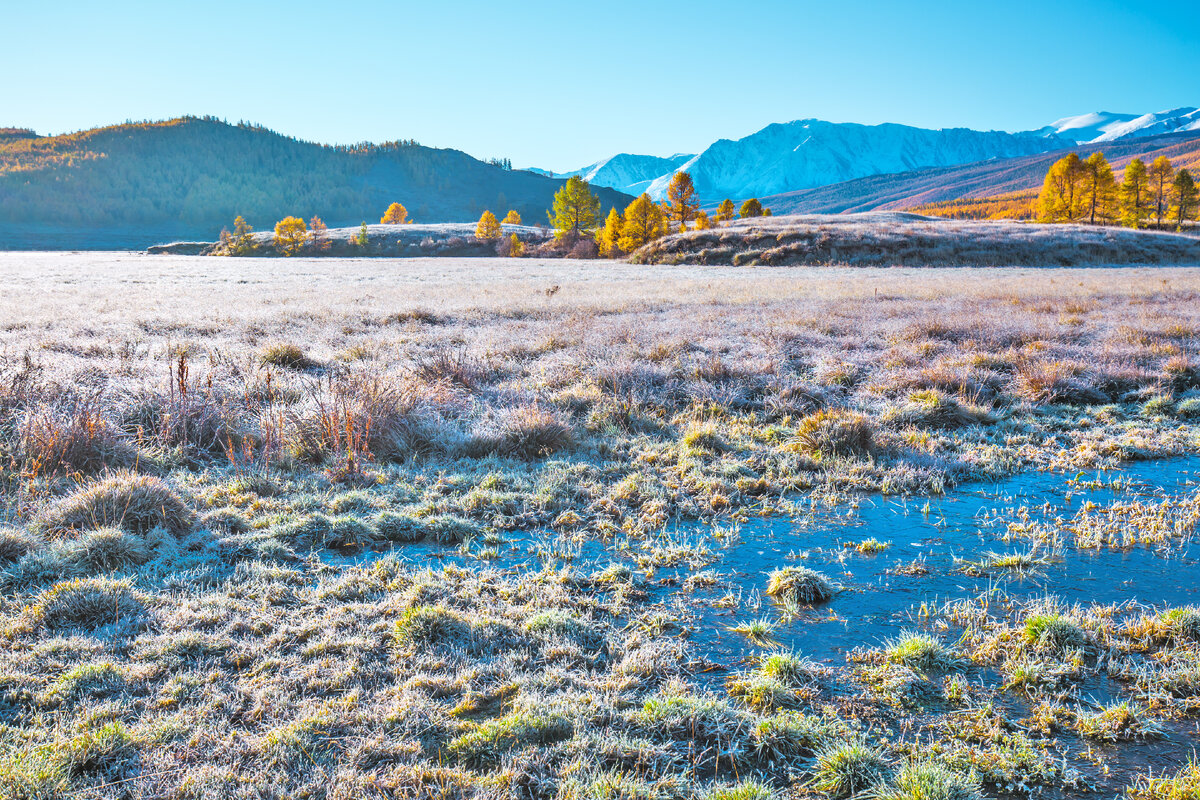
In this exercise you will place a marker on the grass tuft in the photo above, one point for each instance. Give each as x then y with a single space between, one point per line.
799 585
136 503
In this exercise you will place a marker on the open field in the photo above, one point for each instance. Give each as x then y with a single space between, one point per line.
587 529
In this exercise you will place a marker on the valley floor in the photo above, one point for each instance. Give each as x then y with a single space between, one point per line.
589 529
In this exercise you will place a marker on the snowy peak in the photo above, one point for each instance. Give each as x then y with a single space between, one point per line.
629 173
1106 126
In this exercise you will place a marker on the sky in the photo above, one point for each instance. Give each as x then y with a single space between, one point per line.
561 84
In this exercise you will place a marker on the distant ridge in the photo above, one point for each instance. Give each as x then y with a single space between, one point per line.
137 184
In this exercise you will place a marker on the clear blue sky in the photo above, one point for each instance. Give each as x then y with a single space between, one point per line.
560 84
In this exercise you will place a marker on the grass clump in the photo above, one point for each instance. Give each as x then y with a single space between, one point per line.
526 432
1115 722
789 668
742 790
91 680
848 768
1056 383
14 544
132 502
930 408
431 626
928 780
799 585
834 434
758 631
1053 633
921 651
285 355
487 742
1182 623
1183 785
76 438
761 692
107 549
87 603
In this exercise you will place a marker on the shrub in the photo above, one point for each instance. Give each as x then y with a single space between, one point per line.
831 434
107 549
799 585
87 603
847 768
927 780
431 626
287 356
136 503
1053 633
526 432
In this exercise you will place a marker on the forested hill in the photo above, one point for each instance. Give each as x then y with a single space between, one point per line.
134 184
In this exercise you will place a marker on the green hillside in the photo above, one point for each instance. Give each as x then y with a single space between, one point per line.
188 177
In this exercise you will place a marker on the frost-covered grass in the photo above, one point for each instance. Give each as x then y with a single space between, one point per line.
229 487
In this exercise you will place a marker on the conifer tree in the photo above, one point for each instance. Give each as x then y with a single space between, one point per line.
681 203
725 210
576 210
1100 188
702 221
512 218
643 222
396 214
1060 198
318 234
290 235
1161 175
609 238
488 228
1185 198
751 208
361 240
243 237
516 248
1134 194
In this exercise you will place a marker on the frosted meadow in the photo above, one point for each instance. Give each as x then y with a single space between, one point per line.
500 528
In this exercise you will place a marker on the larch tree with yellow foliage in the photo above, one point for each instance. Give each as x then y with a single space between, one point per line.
1062 191
1184 197
1099 188
488 228
725 211
609 238
681 203
396 214
512 218
1160 175
318 234
576 210
290 235
750 209
1134 195
643 222
702 221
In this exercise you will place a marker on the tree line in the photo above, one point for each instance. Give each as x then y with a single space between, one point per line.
575 217
1086 190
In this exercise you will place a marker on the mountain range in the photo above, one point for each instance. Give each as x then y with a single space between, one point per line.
808 153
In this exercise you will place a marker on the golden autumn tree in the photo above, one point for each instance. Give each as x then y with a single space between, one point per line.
512 218
751 208
702 221
396 214
318 234
681 203
1185 198
1159 177
290 235
1061 197
643 221
512 247
1099 188
609 237
576 210
1134 195
488 228
725 211
242 241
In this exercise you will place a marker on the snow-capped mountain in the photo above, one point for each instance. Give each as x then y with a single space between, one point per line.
1106 126
806 153
629 173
